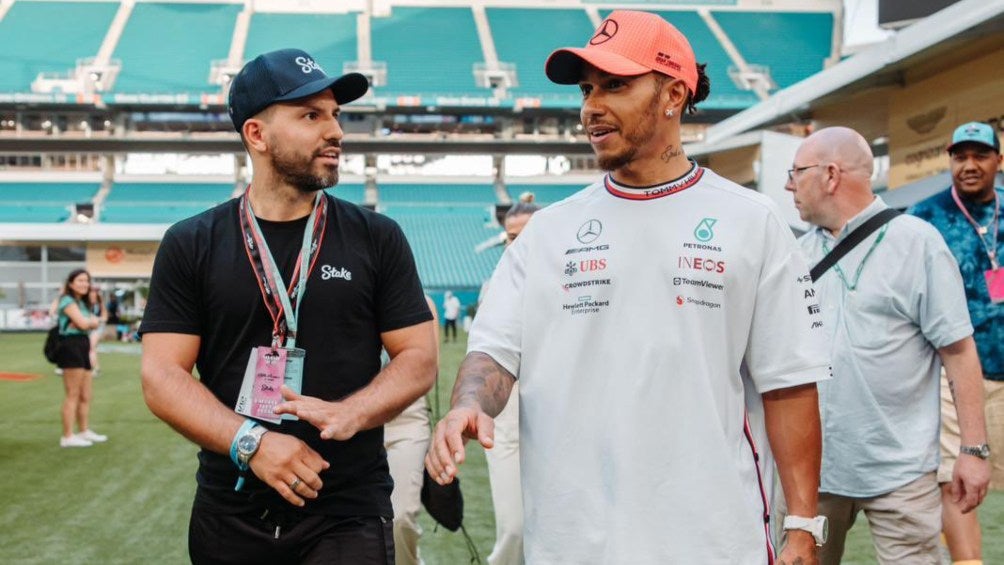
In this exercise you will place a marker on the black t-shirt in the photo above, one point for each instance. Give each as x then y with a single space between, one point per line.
364 283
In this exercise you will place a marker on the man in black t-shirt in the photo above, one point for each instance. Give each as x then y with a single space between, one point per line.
316 489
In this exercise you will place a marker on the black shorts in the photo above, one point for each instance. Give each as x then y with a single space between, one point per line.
269 537
74 352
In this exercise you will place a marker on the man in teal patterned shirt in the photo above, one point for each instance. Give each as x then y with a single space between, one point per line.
968 216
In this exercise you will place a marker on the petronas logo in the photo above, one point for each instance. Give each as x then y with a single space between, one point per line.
704 232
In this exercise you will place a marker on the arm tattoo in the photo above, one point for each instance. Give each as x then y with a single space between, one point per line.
951 388
670 152
481 381
797 561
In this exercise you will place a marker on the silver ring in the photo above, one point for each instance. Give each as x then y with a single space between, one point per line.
295 484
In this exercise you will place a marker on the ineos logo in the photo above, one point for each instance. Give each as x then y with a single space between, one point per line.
589 231
606 32
307 65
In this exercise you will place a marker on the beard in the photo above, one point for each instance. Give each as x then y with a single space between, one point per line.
297 170
640 136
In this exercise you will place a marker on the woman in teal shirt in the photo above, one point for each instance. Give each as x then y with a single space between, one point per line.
75 323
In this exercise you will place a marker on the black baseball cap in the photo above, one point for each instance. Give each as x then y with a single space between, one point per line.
283 75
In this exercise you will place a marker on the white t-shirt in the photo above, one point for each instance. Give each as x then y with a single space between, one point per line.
451 308
632 320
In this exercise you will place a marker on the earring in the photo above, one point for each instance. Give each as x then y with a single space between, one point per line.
669 112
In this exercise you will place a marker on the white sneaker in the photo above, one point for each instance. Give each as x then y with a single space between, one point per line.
74 441
91 437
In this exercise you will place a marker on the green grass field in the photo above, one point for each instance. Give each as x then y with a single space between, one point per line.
127 501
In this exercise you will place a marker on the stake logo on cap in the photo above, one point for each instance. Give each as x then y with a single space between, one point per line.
628 43
282 76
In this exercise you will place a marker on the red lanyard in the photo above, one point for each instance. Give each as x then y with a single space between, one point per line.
981 231
282 306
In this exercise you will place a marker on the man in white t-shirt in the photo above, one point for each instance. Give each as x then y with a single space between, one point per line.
637 315
451 311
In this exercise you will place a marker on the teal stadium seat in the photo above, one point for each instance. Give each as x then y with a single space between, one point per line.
526 37
545 194
42 202
160 203
428 51
49 37
330 38
482 194
725 95
443 241
168 48
354 193
793 45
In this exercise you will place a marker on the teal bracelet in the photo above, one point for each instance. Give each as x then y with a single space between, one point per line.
245 428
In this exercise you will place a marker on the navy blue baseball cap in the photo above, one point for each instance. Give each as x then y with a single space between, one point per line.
283 75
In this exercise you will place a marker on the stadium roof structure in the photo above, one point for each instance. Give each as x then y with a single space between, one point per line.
941 40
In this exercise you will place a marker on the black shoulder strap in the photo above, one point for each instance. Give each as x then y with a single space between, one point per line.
851 241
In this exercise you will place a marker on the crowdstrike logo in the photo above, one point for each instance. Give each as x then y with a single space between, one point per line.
589 231
329 272
606 32
307 65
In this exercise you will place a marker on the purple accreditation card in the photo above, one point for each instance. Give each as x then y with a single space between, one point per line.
995 284
270 371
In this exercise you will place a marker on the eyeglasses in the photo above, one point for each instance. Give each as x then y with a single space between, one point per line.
792 171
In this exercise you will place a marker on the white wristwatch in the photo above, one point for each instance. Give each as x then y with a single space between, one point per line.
818 526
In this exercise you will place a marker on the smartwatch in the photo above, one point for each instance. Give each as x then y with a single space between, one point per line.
819 527
982 450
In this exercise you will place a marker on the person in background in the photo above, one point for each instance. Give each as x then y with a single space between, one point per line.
76 320
968 216
406 439
503 457
98 309
890 330
451 311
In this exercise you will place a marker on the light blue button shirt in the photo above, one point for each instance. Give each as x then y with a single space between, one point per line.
881 412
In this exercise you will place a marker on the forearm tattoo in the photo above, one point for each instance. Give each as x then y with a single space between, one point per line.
484 382
951 388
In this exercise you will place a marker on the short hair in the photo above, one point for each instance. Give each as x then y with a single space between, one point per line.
523 206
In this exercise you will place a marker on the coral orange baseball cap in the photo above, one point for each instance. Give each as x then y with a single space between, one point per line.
628 43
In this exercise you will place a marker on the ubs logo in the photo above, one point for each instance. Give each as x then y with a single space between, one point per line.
589 231
606 32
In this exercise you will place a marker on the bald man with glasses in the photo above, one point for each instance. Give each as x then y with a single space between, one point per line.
895 311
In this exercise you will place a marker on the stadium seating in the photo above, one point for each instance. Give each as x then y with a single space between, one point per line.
330 38
169 48
525 37
437 193
49 37
794 46
354 193
443 241
161 203
42 202
428 51
545 194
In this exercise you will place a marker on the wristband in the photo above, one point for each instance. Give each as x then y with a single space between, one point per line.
245 428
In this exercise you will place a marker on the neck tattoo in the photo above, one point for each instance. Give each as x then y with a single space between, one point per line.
670 152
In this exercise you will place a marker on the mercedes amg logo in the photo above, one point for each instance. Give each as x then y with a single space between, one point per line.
589 231
606 32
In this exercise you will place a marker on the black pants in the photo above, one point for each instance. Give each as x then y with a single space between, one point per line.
447 326
289 537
